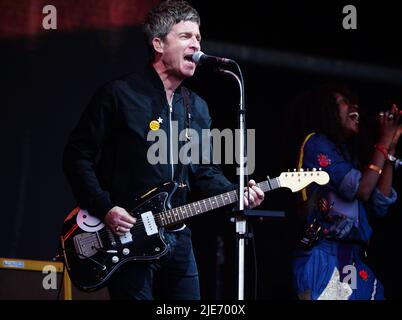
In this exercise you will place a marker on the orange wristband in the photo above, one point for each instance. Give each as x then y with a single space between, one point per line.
374 168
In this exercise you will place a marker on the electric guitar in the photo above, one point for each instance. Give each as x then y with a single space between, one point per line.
92 252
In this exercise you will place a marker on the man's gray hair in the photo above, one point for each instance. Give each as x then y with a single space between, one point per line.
162 18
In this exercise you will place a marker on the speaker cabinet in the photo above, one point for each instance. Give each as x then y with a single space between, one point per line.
22 279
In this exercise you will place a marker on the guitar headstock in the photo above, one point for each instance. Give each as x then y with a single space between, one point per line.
298 180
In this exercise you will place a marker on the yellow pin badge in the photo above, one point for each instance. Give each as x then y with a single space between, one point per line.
155 124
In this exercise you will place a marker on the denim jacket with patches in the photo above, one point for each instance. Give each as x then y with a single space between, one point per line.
343 216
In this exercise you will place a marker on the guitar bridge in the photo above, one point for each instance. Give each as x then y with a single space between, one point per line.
87 244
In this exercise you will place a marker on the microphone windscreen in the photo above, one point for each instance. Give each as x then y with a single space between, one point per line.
197 56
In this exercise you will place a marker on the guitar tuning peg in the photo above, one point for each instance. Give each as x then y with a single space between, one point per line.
307 169
301 170
319 169
314 169
294 170
288 170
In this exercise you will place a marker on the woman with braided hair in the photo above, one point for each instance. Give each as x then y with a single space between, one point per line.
329 263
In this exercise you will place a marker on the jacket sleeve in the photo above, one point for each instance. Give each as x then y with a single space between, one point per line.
322 153
379 203
84 147
206 176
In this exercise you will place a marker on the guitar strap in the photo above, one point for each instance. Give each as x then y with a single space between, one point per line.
187 111
300 163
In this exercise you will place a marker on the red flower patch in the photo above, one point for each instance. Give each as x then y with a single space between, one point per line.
323 205
323 160
363 274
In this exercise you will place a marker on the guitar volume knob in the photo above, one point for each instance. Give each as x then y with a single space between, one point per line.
126 251
115 259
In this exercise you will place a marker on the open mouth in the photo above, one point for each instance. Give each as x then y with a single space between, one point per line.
189 58
354 116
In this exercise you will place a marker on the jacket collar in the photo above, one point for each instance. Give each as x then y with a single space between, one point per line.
152 78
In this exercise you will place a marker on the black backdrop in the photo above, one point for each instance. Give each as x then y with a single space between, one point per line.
47 80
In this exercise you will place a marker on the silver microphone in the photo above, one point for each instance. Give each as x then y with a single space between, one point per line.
200 58
397 162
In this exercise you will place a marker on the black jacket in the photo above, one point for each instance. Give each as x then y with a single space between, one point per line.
105 159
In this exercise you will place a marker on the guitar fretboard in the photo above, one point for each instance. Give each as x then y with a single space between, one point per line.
175 215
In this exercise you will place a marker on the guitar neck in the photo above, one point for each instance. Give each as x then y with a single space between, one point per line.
176 215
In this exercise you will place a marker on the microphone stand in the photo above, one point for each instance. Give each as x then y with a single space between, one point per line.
241 213
241 223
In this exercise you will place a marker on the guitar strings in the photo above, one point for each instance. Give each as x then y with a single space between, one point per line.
192 207
189 209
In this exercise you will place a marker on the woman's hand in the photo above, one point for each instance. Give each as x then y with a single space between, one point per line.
389 130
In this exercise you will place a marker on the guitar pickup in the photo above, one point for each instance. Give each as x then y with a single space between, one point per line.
149 223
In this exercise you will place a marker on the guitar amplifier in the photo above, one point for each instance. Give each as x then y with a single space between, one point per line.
23 279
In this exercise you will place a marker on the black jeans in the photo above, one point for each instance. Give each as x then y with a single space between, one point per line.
175 277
